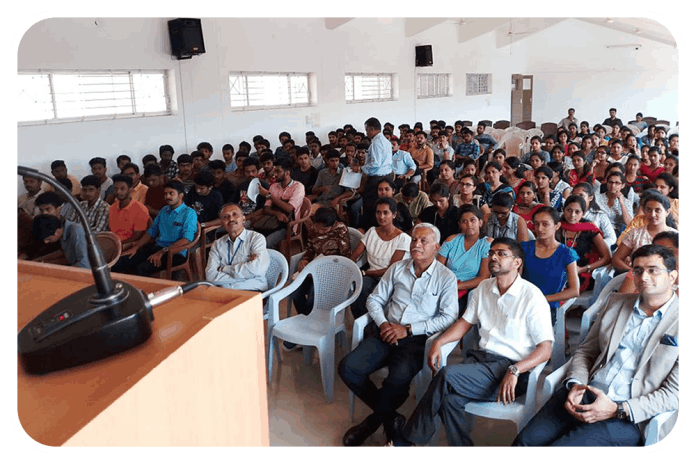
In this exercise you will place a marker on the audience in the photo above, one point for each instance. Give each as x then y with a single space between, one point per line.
570 165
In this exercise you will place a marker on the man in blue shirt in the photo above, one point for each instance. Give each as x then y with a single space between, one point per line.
378 160
174 226
485 141
467 148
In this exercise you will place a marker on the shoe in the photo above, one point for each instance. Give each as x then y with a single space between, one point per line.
393 426
287 346
356 436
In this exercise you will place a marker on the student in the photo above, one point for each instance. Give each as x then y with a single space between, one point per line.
205 201
305 173
221 183
535 144
26 201
413 198
326 190
98 167
51 229
139 189
280 151
237 177
154 198
283 202
96 209
174 226
466 253
503 222
267 160
121 161
207 150
186 174
128 218
654 169
228 157
584 237
442 214
548 264
251 205
199 162
60 171
170 168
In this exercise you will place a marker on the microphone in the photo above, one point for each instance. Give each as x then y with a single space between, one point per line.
93 323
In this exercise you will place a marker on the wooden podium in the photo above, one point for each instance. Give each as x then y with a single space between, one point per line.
198 381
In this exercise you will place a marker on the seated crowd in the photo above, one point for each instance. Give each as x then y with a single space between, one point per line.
454 233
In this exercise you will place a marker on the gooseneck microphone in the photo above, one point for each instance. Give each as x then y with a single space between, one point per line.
93 323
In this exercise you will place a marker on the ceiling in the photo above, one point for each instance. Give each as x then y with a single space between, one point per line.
510 30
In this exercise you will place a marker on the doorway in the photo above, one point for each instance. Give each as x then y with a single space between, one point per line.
521 100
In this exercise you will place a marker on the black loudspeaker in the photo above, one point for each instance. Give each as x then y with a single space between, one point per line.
424 55
186 37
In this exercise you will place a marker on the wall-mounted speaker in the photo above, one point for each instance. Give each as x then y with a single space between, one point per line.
186 37
424 55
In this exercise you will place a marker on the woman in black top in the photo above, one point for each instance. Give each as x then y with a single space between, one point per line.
442 214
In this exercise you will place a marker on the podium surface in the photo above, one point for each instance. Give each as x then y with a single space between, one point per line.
199 380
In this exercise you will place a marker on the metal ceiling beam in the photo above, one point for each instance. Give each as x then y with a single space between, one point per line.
417 25
617 26
476 27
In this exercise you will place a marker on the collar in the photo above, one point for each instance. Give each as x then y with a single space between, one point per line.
429 270
178 209
117 204
514 290
96 204
659 313
242 236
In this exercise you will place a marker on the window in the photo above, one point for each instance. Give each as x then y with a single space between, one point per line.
369 87
269 90
62 96
432 85
479 84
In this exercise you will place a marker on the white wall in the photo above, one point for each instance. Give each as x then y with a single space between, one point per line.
577 70
567 72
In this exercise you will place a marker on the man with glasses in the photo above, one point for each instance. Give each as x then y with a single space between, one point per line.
627 369
515 336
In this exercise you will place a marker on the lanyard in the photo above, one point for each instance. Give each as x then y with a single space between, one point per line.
229 250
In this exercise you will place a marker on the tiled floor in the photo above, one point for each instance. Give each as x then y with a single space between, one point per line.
301 416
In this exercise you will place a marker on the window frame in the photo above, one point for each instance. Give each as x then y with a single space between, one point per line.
168 83
392 87
477 91
311 90
446 76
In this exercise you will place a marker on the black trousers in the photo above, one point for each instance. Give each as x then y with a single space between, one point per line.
138 264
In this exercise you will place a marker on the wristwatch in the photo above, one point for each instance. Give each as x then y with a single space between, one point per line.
621 412
165 249
514 370
409 332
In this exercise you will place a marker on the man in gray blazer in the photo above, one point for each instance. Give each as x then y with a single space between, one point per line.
627 369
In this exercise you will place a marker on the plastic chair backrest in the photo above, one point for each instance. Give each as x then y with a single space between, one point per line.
590 313
335 278
355 237
277 273
110 246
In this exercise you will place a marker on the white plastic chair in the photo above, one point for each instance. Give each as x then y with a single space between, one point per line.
277 273
337 284
520 412
602 276
424 376
355 237
591 313
657 428
559 330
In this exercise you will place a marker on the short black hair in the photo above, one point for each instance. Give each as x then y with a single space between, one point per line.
205 177
514 247
123 178
214 165
284 163
131 165
228 146
67 183
149 158
284 134
651 250
325 216
97 160
176 185
152 170
410 190
196 154
58 164
90 180
373 123
266 156
184 159
251 161
205 145
49 198
503 199
164 148
120 158
333 153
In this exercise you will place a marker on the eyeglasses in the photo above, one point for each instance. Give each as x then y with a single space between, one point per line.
468 185
652 271
498 253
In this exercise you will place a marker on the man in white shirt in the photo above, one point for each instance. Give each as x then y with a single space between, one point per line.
240 259
516 335
414 299
571 118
